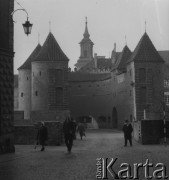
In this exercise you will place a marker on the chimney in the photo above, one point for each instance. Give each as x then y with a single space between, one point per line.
95 60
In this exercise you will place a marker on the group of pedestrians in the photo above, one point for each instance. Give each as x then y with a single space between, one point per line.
70 128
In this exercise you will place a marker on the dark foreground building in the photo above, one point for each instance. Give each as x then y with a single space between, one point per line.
6 77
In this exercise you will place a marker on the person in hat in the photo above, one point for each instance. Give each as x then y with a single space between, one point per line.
68 130
127 129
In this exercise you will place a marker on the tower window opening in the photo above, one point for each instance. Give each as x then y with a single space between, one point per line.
22 94
36 93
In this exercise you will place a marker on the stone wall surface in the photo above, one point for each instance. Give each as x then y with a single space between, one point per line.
92 99
6 77
27 134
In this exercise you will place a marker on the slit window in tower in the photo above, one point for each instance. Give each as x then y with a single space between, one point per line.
36 93
22 94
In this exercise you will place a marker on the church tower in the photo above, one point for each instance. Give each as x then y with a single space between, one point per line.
86 46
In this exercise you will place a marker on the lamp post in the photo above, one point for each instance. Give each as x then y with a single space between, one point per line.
27 26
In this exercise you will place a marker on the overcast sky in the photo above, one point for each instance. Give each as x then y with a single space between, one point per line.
108 22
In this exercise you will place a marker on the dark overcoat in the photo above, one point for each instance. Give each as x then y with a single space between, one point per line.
127 129
68 129
42 134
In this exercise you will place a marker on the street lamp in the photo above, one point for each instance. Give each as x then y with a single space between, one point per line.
27 26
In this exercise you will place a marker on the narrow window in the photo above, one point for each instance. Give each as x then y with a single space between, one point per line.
40 73
22 94
27 78
33 74
36 93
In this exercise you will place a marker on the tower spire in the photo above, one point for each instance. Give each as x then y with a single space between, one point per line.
86 33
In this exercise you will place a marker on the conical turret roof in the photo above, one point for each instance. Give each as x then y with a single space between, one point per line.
31 58
123 58
51 51
145 51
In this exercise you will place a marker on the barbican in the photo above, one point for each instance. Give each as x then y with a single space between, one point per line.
100 91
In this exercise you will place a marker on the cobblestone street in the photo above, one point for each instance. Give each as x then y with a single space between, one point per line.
54 164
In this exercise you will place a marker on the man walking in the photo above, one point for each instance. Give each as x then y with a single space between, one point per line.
42 135
81 130
68 130
127 129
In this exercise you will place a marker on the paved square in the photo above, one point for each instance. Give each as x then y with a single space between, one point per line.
54 164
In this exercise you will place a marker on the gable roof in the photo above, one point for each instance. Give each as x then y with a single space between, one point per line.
145 51
51 51
123 58
31 58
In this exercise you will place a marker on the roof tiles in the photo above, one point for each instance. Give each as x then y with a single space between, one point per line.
31 58
145 51
51 51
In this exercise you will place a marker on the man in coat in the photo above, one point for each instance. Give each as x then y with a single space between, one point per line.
81 130
68 130
127 129
42 135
